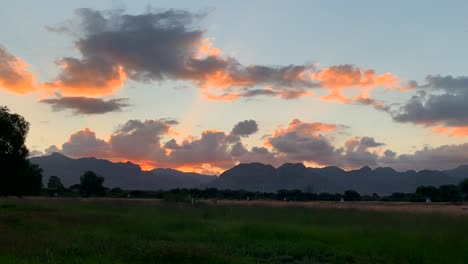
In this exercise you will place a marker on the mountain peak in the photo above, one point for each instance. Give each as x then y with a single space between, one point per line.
366 169
58 155
292 166
462 167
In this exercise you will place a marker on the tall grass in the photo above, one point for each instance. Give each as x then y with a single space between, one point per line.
73 231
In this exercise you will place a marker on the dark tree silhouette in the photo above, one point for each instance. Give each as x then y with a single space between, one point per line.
55 183
428 191
464 187
351 195
19 177
91 185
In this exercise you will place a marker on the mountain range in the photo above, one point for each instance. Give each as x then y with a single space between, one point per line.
118 174
249 176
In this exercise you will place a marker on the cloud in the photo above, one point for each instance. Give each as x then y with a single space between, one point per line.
140 140
51 150
35 153
170 45
440 103
302 141
309 142
14 76
361 144
245 128
86 105
443 157
155 46
84 143
360 151
452 132
149 143
213 147
339 77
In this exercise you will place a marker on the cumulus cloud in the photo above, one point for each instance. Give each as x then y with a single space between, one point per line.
443 157
155 46
170 45
213 147
140 140
309 142
14 76
440 103
150 144
86 105
84 143
142 143
302 141
245 128
361 144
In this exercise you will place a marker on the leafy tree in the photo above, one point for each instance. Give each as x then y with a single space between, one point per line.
450 192
351 195
19 177
463 186
428 191
55 183
91 184
75 188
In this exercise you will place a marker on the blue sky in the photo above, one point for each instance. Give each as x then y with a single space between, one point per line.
409 39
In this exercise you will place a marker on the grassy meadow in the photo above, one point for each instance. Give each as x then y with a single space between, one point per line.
135 231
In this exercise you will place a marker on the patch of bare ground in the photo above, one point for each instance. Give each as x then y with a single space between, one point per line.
443 208
404 207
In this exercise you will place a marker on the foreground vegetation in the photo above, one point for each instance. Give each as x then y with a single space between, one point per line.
146 231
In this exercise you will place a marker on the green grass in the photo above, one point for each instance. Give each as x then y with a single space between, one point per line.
74 231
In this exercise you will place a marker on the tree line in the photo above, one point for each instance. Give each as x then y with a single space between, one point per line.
92 185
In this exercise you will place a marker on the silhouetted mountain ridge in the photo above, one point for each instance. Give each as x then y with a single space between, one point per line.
250 176
382 180
118 174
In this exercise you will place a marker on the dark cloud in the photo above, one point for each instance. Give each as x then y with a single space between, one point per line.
308 142
259 92
156 46
361 144
245 128
441 101
140 140
213 147
356 152
296 147
86 105
443 157
379 105
84 143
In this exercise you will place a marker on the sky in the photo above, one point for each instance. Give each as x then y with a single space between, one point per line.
204 85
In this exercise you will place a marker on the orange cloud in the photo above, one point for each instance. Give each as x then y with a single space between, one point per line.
14 76
304 128
337 78
336 95
229 97
206 49
222 79
79 81
452 132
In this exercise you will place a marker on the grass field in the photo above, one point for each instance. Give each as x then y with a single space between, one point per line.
130 231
